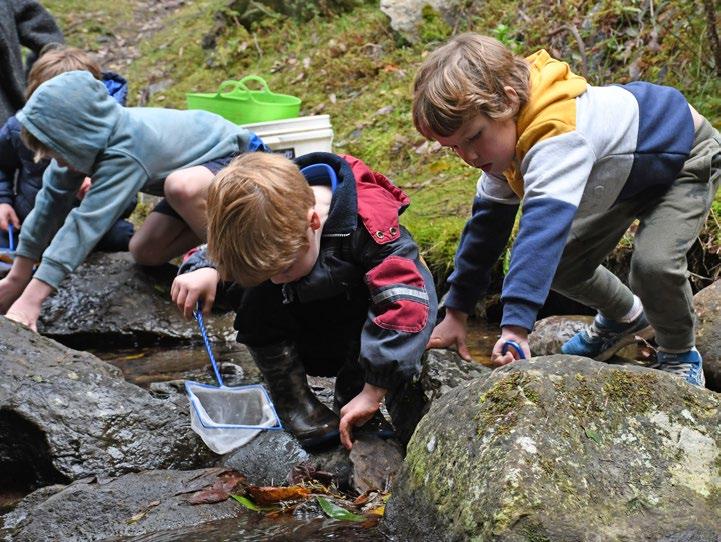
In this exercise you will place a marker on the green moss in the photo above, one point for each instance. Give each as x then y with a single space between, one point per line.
433 27
502 403
634 390
535 533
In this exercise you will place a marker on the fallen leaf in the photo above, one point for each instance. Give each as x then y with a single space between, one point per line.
334 511
140 515
227 483
590 433
250 505
271 495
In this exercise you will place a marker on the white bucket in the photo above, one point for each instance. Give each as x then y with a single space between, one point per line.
296 137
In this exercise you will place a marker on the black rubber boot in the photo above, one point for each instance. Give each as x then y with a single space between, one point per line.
310 421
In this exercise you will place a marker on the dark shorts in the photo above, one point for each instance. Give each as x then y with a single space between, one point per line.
163 207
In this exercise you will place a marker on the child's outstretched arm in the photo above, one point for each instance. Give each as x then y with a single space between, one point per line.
484 237
399 323
83 227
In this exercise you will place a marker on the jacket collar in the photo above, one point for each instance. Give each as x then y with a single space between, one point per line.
361 193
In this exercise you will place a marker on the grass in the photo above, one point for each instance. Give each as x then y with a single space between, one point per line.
353 67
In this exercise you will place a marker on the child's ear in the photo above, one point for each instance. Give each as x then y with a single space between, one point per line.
313 219
513 99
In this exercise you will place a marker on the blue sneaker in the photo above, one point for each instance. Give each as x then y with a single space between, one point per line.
604 337
687 365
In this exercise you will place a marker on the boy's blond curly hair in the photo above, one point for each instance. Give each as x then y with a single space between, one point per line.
463 78
257 217
55 59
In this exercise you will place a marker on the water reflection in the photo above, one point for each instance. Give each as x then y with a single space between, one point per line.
482 335
266 529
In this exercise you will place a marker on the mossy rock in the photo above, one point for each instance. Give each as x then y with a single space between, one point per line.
563 448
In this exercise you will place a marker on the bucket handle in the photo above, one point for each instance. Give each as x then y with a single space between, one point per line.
257 78
230 83
240 89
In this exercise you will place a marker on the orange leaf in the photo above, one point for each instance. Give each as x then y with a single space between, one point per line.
270 495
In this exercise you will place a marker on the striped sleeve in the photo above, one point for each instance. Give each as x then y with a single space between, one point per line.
555 173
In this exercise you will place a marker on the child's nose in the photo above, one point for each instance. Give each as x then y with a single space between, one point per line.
467 153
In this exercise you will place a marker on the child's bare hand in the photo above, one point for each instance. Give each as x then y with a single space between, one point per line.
8 216
187 289
451 332
84 187
358 411
510 333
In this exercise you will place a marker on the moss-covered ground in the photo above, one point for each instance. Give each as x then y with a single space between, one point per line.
353 67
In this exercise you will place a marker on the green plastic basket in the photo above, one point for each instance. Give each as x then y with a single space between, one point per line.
244 106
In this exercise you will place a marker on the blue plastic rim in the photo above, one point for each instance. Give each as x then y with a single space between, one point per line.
517 347
277 426
319 172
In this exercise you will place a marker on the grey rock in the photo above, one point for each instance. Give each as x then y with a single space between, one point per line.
66 415
375 463
550 333
441 371
268 458
130 505
564 448
111 301
708 332
406 16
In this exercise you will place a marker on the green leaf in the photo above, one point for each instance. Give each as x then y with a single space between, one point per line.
590 433
250 505
336 512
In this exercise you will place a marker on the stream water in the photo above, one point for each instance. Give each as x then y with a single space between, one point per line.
152 366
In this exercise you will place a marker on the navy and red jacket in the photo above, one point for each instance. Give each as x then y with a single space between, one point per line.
363 243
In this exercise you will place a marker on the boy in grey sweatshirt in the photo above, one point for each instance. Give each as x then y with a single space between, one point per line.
72 119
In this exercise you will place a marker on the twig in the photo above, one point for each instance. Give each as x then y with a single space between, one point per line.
713 34
581 46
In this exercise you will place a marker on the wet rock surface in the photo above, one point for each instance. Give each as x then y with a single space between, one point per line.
563 448
708 332
132 504
66 415
109 300
441 371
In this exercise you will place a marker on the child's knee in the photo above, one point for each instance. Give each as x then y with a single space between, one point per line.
656 268
143 253
186 185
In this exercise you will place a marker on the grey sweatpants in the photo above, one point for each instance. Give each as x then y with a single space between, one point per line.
669 222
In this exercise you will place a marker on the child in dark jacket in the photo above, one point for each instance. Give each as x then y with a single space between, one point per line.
326 283
21 176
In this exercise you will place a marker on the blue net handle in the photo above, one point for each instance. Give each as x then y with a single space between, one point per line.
199 317
11 237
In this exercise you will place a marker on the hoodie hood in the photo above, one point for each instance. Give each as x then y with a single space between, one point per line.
73 115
